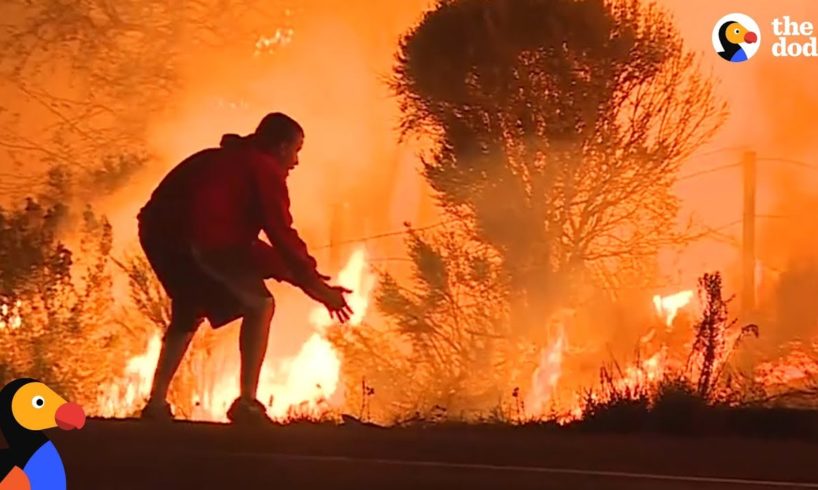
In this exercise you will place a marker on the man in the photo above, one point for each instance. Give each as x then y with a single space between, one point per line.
200 232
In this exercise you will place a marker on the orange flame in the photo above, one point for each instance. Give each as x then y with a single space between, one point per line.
546 376
353 276
119 399
644 373
312 376
669 306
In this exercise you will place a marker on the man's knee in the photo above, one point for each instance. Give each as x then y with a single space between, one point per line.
174 333
184 321
258 304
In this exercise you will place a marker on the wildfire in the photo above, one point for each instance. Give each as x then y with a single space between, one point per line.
669 306
10 317
304 385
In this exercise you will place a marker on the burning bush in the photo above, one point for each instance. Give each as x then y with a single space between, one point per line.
63 300
673 397
450 325
715 338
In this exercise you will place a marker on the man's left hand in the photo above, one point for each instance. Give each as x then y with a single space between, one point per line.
336 304
332 297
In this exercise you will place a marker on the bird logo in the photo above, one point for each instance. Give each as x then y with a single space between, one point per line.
736 37
31 462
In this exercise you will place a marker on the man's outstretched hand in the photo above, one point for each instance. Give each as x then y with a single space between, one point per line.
332 297
336 303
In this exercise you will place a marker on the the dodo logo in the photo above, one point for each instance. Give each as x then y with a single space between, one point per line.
736 37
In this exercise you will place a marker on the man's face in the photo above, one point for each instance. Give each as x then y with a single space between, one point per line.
288 152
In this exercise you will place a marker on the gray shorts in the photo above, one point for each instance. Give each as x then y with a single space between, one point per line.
237 272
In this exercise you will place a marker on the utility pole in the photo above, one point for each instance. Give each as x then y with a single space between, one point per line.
748 243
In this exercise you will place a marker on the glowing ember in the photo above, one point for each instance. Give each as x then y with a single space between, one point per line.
10 317
230 104
669 306
268 44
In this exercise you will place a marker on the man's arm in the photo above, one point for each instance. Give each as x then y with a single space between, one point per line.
274 199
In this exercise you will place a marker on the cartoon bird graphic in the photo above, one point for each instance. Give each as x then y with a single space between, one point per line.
731 35
31 462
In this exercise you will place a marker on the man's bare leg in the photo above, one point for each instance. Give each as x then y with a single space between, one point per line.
255 331
248 287
175 342
174 347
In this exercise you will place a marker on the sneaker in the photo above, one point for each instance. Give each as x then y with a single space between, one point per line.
248 412
157 412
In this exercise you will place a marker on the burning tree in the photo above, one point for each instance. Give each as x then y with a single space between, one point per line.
559 128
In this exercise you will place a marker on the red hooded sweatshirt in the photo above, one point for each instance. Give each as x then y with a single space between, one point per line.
221 198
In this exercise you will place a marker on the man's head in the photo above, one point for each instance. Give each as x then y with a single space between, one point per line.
280 135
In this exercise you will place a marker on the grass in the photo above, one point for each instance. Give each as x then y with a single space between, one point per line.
675 409
703 398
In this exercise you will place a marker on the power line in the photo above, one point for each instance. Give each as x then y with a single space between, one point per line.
681 178
386 235
708 171
716 151
796 163
774 216
714 230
